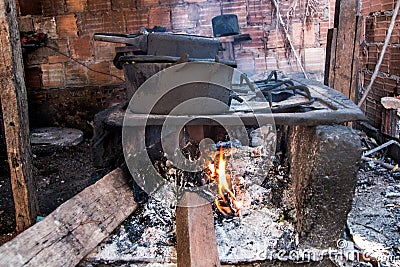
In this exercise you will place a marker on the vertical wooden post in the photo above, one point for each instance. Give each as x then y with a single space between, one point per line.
346 23
15 114
195 233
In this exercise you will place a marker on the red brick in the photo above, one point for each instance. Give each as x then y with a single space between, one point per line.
314 59
101 73
76 5
108 21
207 11
116 72
62 46
195 1
258 11
113 21
29 7
257 37
47 25
118 4
274 39
80 48
104 51
310 37
52 75
297 33
136 19
96 5
237 7
75 74
387 5
260 63
365 8
323 31
146 3
160 16
66 26
369 29
184 17
376 6
25 24
52 7
32 78
39 56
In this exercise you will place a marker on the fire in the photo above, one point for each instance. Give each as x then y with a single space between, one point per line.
226 201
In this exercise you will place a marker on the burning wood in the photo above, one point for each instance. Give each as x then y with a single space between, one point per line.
226 202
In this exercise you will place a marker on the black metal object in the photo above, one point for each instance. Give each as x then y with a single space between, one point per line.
225 25
161 44
277 90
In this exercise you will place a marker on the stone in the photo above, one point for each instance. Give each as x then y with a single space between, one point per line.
324 161
49 139
390 102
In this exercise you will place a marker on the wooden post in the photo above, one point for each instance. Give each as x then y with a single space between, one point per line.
195 233
345 19
15 114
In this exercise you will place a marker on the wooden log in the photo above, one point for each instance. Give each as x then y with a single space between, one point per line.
75 228
195 233
15 114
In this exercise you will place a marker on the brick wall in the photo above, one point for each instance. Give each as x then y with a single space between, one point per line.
376 20
53 79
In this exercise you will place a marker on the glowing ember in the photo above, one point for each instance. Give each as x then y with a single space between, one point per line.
226 201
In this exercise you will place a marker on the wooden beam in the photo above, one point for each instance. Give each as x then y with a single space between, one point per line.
75 228
195 233
15 114
346 35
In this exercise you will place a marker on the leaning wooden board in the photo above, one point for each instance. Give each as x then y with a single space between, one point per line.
75 228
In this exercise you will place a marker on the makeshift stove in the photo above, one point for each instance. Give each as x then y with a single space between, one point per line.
298 198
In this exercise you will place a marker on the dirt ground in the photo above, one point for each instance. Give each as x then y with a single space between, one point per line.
59 175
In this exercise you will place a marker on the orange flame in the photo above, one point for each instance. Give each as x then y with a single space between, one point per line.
226 201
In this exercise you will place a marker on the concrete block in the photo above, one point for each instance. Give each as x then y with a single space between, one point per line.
324 161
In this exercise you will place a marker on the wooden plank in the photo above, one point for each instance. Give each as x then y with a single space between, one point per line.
329 74
75 228
15 113
345 45
195 233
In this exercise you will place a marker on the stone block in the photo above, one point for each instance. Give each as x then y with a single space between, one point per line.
324 161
